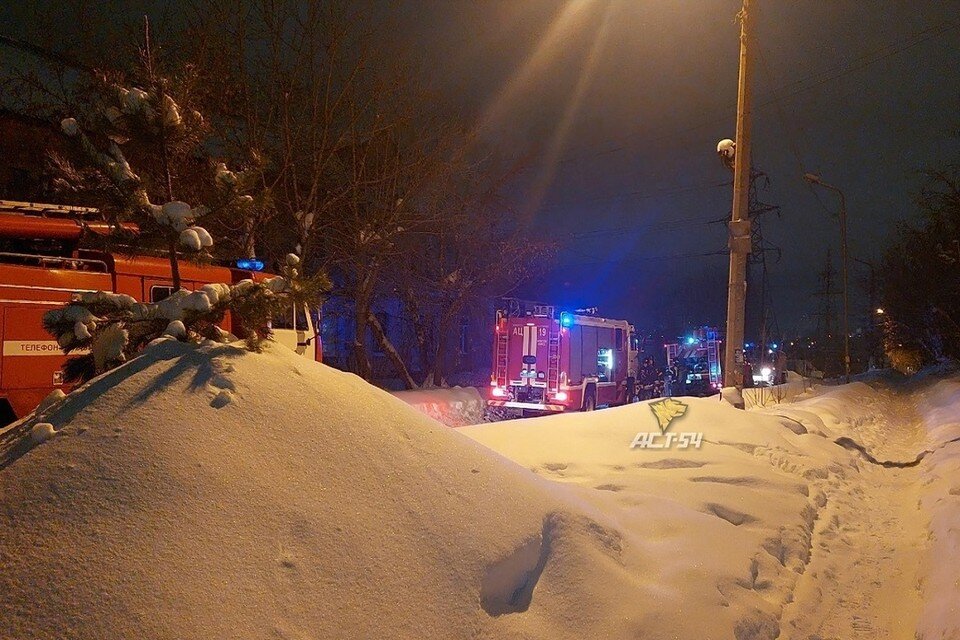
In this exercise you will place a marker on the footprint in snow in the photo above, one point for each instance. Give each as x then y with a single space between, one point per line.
610 487
222 399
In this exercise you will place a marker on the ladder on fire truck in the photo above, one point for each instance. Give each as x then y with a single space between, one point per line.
553 361
39 210
503 347
713 361
553 346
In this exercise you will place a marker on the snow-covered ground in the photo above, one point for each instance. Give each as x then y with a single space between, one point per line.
837 516
453 406
207 492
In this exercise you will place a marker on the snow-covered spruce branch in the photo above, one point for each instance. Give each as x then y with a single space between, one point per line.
175 215
154 120
112 328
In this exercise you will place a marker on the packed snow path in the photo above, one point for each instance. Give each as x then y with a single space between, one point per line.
864 577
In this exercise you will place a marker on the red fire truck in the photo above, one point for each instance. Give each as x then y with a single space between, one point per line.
545 362
697 359
41 267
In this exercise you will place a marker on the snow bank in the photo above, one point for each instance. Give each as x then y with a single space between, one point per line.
454 407
209 492
911 430
720 534
939 409
835 516
859 411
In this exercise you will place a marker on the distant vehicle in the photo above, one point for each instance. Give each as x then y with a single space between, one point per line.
41 267
697 358
547 362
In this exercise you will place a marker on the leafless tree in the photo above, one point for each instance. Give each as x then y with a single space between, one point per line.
473 250
293 90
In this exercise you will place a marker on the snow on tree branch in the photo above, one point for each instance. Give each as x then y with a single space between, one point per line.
113 328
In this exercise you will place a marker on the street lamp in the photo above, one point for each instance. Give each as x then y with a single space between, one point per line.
815 179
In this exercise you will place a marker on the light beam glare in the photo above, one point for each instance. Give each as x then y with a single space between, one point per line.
565 25
551 157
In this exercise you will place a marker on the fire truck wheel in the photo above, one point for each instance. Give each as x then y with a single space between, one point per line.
7 414
590 400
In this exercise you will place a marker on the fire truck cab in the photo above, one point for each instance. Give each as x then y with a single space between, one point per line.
41 268
549 362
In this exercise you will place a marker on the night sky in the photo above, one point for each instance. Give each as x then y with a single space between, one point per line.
625 100
865 93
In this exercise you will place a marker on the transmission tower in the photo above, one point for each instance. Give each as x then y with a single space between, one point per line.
762 319
826 352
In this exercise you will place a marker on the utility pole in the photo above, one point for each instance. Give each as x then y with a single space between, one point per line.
740 223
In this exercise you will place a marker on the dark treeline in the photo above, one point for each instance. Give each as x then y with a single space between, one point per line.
921 278
337 151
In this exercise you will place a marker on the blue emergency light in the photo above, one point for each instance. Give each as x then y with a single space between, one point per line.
566 319
250 264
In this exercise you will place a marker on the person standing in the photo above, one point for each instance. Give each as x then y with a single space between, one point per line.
660 383
781 367
672 380
647 378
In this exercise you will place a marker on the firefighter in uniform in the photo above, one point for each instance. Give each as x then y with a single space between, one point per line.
647 378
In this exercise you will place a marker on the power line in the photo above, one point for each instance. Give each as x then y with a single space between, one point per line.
868 60
789 135
676 256
755 212
44 53
816 79
775 99
637 195
658 226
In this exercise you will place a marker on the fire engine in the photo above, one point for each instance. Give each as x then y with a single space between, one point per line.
41 267
697 359
545 362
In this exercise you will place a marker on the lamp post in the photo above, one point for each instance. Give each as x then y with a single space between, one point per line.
844 259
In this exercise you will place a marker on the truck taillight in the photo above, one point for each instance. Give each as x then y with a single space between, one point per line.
560 395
